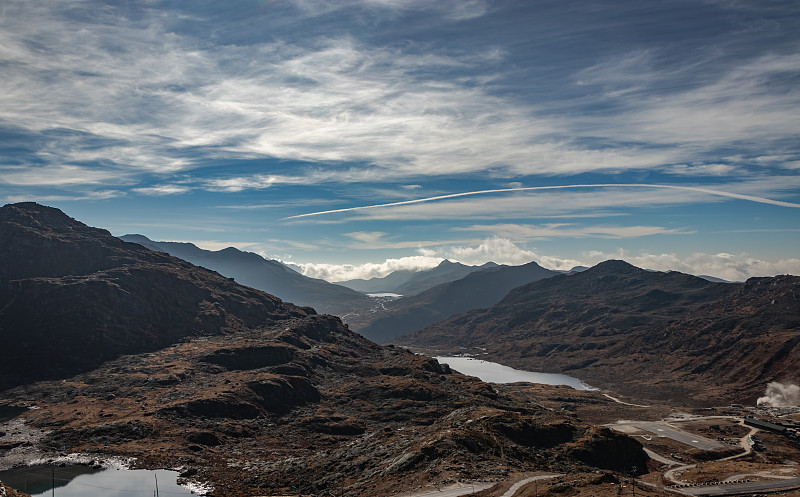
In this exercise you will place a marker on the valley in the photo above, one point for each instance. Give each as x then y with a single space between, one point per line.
115 352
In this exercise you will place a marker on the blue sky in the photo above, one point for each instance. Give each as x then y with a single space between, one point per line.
675 126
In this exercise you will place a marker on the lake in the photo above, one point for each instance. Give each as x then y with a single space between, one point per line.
83 481
498 373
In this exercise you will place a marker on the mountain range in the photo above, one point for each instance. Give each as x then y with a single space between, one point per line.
668 336
267 275
406 282
146 356
478 289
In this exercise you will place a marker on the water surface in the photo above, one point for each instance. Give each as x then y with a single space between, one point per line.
498 373
83 481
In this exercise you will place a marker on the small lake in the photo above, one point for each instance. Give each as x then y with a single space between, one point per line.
83 481
384 295
10 412
497 373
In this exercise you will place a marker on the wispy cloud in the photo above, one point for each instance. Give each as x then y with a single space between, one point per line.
160 190
693 189
141 96
523 232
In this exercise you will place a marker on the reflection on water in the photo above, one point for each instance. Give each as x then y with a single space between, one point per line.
83 481
10 412
39 480
497 373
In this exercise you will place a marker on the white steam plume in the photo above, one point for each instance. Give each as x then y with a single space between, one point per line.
780 395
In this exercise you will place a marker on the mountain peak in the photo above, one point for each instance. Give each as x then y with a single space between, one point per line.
33 215
616 266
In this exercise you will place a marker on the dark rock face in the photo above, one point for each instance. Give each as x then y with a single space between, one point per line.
649 334
603 448
72 297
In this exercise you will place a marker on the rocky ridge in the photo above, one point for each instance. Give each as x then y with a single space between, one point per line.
270 276
667 336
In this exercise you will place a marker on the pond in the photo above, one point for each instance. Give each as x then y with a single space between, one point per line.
84 481
498 373
10 412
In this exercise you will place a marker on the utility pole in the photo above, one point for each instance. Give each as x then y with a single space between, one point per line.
53 474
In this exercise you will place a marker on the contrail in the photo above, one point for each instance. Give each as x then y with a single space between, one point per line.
740 196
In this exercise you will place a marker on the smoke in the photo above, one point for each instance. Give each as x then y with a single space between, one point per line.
780 395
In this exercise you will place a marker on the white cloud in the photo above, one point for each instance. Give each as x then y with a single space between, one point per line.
343 272
501 251
160 190
58 175
739 106
140 98
91 195
731 267
703 170
569 230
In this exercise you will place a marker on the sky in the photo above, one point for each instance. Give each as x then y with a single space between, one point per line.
357 137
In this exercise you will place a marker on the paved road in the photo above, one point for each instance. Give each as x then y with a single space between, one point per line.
449 492
662 429
743 488
511 491
662 459
466 490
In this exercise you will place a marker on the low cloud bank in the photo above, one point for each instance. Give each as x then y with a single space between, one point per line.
495 249
731 267
780 395
344 272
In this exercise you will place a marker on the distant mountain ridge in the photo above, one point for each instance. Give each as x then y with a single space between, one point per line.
407 282
267 275
445 272
478 289
663 335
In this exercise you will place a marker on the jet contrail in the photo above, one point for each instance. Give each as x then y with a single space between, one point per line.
740 196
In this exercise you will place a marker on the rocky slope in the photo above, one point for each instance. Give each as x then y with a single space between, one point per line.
476 290
267 275
653 335
239 389
309 404
72 297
